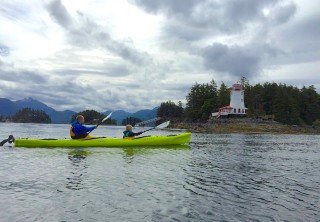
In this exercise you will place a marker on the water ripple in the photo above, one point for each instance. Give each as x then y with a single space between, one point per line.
223 177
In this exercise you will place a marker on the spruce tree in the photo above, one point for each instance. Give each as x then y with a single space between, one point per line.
223 95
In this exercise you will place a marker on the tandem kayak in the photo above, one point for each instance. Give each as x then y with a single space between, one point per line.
167 140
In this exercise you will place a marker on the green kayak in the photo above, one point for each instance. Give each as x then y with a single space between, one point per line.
179 139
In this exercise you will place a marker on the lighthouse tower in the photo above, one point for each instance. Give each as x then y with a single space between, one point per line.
236 107
237 99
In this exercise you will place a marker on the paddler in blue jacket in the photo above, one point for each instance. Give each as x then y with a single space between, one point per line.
78 130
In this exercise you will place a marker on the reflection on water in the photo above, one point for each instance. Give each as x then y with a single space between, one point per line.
218 178
77 169
131 152
252 180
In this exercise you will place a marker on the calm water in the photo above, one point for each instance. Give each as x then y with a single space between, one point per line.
220 178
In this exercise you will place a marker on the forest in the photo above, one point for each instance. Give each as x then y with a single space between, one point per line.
289 104
27 115
93 117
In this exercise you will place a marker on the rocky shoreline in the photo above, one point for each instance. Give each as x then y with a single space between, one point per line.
247 126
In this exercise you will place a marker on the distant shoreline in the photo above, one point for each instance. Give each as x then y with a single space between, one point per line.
226 128
247 128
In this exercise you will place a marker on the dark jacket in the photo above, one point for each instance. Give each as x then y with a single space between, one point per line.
128 133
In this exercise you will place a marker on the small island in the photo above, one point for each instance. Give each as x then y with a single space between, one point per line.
28 115
93 117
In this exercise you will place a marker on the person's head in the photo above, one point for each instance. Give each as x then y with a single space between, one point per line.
129 127
80 118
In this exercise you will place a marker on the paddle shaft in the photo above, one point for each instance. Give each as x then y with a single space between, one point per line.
161 126
149 129
147 121
100 122
95 127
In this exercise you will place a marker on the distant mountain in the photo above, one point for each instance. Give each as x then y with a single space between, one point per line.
144 114
8 108
61 116
34 104
56 116
118 115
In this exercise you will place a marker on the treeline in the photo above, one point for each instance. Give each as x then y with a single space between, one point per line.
93 117
27 115
130 120
288 104
3 119
202 100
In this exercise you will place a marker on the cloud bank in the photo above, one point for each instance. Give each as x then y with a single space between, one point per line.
135 54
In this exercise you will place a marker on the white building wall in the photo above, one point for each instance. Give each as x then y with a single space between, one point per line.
237 99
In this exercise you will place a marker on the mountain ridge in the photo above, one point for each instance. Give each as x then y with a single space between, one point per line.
9 108
143 114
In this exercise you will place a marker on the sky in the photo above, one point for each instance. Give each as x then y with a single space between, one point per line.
135 54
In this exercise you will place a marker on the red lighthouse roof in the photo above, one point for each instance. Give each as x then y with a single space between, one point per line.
237 87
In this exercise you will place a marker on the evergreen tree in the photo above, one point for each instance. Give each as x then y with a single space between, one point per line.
286 108
93 117
309 105
201 99
27 115
244 82
169 110
223 95
269 94
253 97
258 92
131 120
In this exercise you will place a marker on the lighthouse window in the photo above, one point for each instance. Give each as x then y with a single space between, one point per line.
234 110
239 111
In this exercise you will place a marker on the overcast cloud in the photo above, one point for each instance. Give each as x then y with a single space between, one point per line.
134 54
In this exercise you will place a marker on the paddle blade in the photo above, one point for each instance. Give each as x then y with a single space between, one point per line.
148 121
163 125
106 117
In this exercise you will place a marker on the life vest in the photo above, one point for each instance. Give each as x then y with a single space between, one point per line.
128 134
73 135
71 132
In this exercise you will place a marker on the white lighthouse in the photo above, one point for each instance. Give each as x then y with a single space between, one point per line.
236 107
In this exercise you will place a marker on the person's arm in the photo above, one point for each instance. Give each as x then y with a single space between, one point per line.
130 134
137 134
81 129
89 128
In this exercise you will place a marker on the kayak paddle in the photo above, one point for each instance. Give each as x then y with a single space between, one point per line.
161 126
147 121
101 122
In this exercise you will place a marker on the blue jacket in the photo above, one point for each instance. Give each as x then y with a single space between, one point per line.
80 129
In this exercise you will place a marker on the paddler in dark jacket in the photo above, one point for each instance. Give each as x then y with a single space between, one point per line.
78 130
128 132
